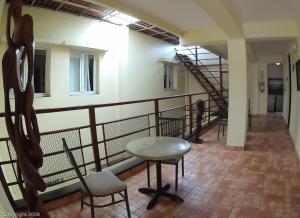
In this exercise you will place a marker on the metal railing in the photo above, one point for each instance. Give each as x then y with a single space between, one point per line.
101 159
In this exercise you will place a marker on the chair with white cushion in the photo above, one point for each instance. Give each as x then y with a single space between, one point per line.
100 184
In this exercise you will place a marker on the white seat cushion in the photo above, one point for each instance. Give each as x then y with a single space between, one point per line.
103 183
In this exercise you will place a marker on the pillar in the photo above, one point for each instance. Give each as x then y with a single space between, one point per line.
237 105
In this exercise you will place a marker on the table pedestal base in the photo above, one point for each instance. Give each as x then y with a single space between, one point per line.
157 194
160 191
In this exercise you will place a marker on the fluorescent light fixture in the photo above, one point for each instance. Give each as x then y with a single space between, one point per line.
120 18
277 63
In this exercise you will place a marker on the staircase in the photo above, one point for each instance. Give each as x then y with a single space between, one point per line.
190 57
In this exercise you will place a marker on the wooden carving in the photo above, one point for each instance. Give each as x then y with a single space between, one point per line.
22 125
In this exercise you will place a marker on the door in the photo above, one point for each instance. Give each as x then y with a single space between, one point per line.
275 95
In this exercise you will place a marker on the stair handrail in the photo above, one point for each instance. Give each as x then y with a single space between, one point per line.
207 70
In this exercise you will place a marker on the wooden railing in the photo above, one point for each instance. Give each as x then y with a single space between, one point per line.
101 160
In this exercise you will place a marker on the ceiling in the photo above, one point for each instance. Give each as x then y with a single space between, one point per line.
266 10
270 48
188 15
185 15
261 48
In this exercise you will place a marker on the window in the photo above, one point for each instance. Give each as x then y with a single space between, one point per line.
82 73
169 80
39 74
39 77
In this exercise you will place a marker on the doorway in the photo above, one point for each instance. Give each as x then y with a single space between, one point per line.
275 88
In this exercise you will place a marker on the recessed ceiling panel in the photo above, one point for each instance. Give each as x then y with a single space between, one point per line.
270 47
267 10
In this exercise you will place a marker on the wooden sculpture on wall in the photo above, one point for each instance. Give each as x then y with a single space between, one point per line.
22 123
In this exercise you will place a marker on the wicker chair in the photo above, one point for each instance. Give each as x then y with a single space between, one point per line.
99 184
174 127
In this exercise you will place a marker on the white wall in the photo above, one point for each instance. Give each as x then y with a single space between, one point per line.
142 74
129 66
295 95
262 74
295 103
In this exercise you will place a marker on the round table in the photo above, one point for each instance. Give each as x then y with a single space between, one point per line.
158 149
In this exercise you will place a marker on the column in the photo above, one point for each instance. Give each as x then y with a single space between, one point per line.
237 105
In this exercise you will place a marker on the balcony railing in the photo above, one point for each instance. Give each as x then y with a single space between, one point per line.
97 145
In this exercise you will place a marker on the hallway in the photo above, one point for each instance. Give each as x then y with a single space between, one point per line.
263 181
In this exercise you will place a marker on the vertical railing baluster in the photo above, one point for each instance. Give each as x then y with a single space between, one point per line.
156 108
196 54
191 114
221 78
209 105
105 148
149 124
92 118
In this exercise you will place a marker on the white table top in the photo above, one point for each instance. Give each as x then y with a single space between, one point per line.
158 148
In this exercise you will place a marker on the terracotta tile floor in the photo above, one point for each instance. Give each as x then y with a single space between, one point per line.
263 181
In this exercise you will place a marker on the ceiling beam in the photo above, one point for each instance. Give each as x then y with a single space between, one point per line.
141 15
270 29
207 36
217 52
225 16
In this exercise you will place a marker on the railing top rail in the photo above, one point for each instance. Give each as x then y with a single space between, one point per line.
84 107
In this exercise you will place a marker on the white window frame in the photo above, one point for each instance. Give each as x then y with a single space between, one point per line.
81 92
167 73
